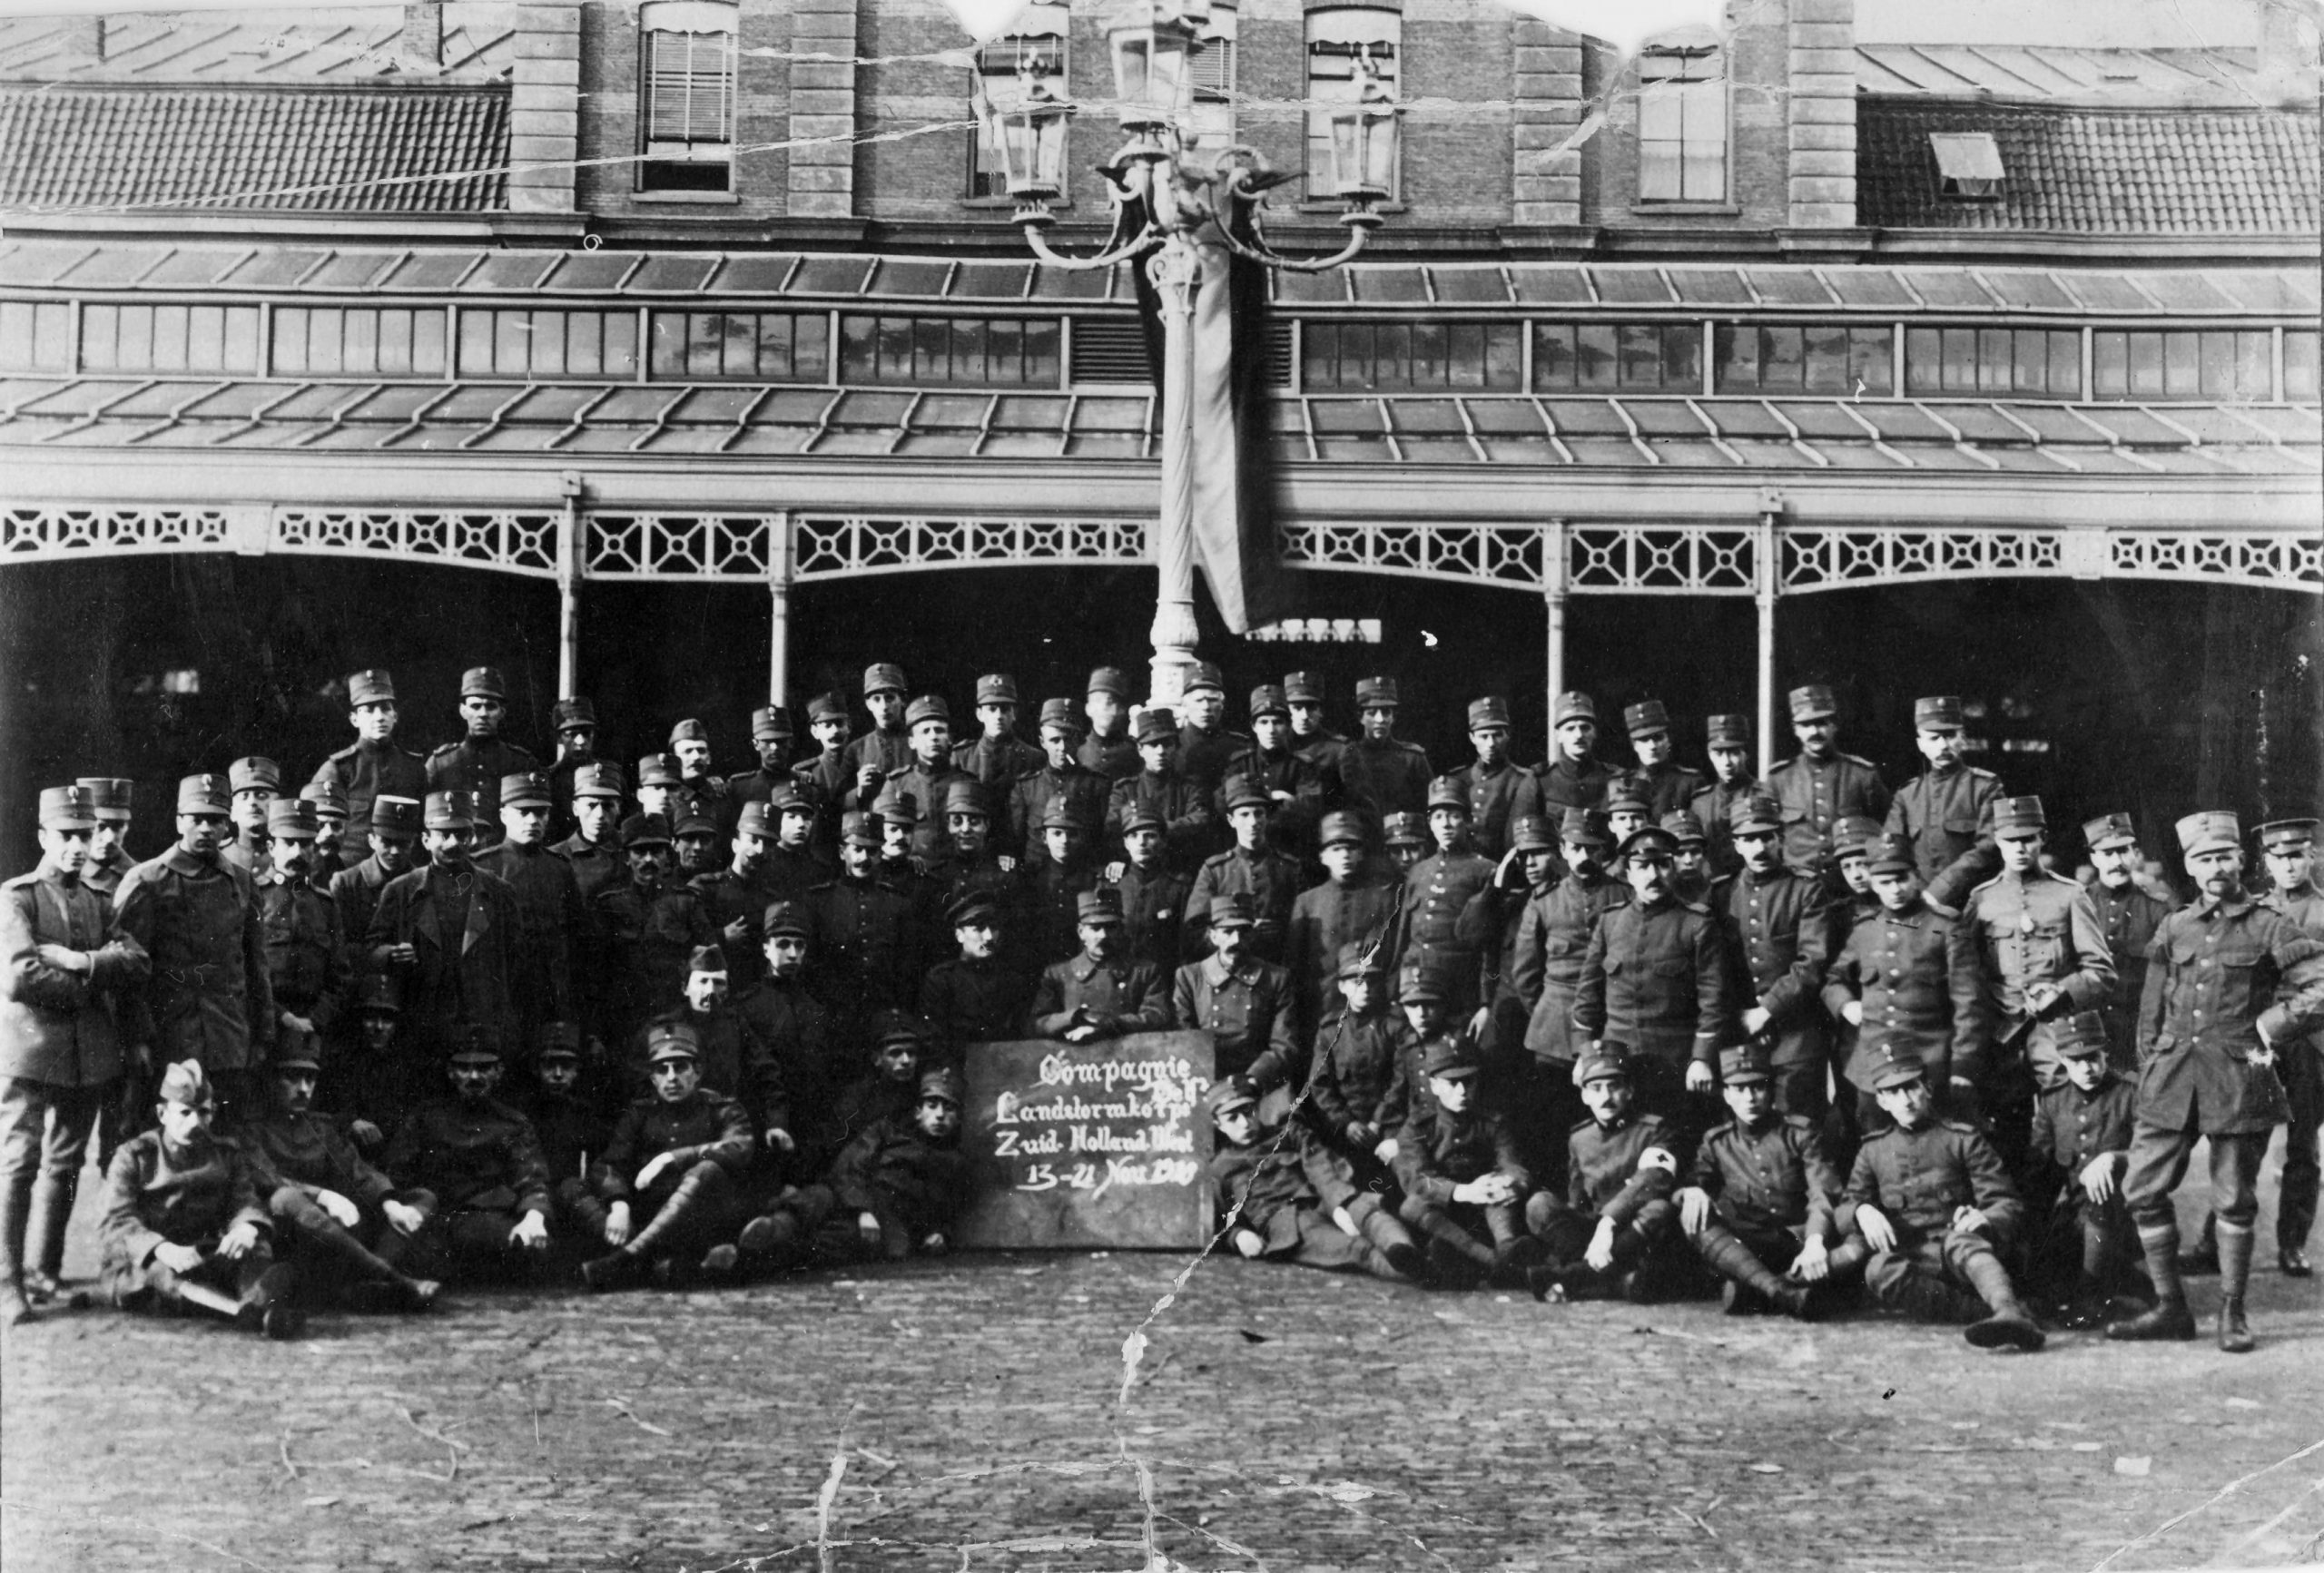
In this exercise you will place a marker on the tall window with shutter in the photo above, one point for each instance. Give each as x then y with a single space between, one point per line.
1212 129
1682 126
686 96
1337 38
1034 47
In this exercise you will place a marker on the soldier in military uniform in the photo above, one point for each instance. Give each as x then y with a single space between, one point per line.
1207 744
998 756
473 1164
1554 935
1908 976
867 941
1463 1180
1630 806
1381 773
451 935
1690 873
2043 958
478 762
1403 842
2289 847
1491 924
1497 790
1928 1211
2128 917
1158 788
1573 776
1288 1200
1109 751
700 791
1727 740
733 1061
784 1013
794 866
1759 1200
1294 788
255 782
184 1224
1057 777
975 997
1243 1002
372 764
572 1127
1426 929
2085 1249
575 722
1946 811
1313 742
1780 933
548 898
113 799
1100 993
886 749
678 1154
1153 896
1855 839
970 864
69 970
694 835
206 997
309 965
331 815
897 1187
657 788
648 927
1347 909
829 774
735 895
594 851
1609 1228
340 1222
1363 1070
1820 784
770 736
1655 980
930 769
1050 889
1251 869
1671 786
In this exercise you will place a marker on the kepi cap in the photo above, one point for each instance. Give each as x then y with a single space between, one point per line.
372 686
1937 713
205 794
996 688
483 682
2212 830
1491 711
883 677
1572 705
524 789
1646 718
67 808
1813 702
112 797
450 811
395 816
2109 830
2019 817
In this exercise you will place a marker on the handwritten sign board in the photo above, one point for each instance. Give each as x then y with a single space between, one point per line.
1083 1146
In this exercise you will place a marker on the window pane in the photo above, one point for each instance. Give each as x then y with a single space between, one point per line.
1044 351
618 334
2254 371
363 341
241 339
858 337
1553 357
1005 351
774 346
1355 355
1782 360
1594 356
2065 364
1828 361
968 353
2029 365
395 341
2109 364
2181 375
2299 366
895 349
2146 365
206 338
325 332
289 336
809 352
1924 360
2217 377
135 351
1871 362
1436 345
1658 171
738 333
1960 359
53 335
666 355
1504 356
704 354
512 342
1641 352
584 343
1995 355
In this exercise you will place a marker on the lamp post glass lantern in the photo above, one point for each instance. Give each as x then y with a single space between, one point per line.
1183 217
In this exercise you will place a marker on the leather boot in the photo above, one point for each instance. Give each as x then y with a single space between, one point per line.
636 1255
1749 1279
772 1235
1924 1297
1393 1242
2169 1317
52 1209
2201 1260
2010 1326
2234 1271
395 1290
15 1208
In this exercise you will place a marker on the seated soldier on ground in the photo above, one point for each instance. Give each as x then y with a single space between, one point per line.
669 1177
1757 1202
1928 1209
1359 1085
897 1188
574 1132
889 1087
381 1083
2086 1254
1272 1185
1464 1183
340 1221
183 1225
1610 1233
735 1062
478 1160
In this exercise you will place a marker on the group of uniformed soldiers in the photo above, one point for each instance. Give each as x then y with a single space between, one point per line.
469 1014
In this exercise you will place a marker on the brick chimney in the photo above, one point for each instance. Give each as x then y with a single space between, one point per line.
544 108
1820 114
422 40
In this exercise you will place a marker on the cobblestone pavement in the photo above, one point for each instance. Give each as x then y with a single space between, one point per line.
964 1414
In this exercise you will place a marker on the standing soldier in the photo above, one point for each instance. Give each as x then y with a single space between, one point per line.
1948 811
700 793
549 898
1554 935
1728 740
2043 958
828 776
206 997
2290 848
1059 777
1153 896
930 770
256 782
735 898
647 927
866 938
1669 785
1313 742
309 965
65 971
1251 869
770 736
886 749
1497 790
1425 932
1345 909
1050 887
452 936
1159 791
330 815
372 764
1655 978
970 863
1206 744
792 865
1381 773
355 891
998 756
1109 751
112 798
657 788
2232 985
575 721
1294 787
593 852
1780 929
1572 778
477 763
2128 917
1820 784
